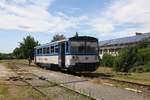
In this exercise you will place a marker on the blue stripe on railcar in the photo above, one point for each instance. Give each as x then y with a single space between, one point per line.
67 54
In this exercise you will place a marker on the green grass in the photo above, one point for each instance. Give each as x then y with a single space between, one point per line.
3 90
142 78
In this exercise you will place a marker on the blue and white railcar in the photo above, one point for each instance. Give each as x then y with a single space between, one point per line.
75 53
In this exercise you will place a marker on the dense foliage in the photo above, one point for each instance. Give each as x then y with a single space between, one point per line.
126 59
107 60
133 58
26 48
144 56
5 56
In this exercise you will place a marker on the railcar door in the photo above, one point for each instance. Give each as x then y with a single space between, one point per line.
61 57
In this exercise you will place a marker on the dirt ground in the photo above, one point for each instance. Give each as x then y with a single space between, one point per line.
12 87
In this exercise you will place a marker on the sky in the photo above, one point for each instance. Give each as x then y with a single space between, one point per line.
103 19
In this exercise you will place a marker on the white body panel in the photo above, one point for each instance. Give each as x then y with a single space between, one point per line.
47 59
72 59
69 59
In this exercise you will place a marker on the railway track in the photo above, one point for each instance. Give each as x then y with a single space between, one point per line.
106 78
20 72
111 79
132 83
20 76
132 86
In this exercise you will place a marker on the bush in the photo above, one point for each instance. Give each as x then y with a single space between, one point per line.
134 58
143 56
116 65
147 67
143 44
138 69
126 59
107 60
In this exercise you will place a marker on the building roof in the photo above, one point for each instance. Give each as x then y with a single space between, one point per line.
125 40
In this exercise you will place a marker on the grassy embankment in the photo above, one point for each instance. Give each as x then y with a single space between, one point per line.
142 78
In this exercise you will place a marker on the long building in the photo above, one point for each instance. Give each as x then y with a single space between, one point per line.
113 46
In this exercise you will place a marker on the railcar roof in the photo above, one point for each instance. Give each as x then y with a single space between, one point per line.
72 38
131 39
89 38
51 43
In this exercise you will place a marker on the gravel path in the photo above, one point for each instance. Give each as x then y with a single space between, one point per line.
100 92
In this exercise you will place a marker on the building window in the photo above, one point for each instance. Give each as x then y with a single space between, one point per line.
105 50
100 51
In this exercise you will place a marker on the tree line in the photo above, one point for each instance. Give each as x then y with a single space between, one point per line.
25 49
5 56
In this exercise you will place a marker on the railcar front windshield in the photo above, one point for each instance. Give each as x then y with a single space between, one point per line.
84 47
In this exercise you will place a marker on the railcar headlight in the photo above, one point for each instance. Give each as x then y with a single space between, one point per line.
73 57
86 58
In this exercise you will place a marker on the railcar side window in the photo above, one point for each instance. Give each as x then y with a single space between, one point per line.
40 51
44 50
52 49
67 47
48 50
56 49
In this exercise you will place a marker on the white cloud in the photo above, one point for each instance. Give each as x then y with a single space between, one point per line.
124 12
102 25
33 16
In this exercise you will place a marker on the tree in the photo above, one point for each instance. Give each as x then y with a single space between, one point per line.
126 59
58 37
76 34
107 60
27 47
17 53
